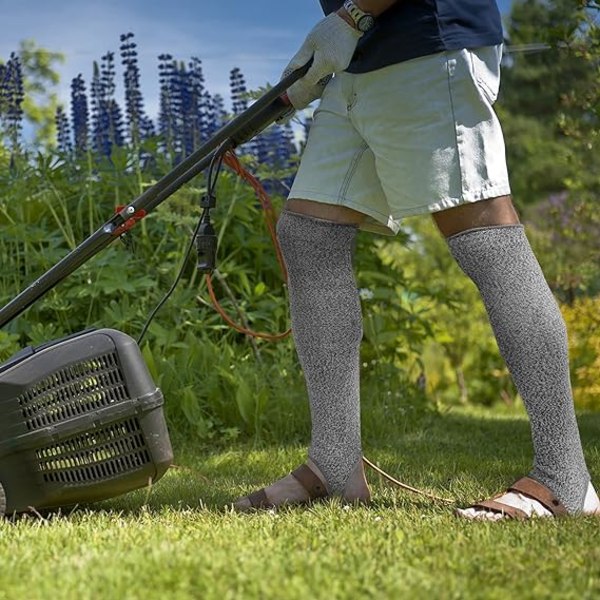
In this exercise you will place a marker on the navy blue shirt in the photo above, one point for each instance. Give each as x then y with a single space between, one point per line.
413 28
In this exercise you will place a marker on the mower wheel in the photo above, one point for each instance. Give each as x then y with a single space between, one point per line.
2 501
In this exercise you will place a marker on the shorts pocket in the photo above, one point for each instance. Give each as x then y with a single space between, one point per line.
485 69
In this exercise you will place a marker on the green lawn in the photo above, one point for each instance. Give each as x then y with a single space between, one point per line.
180 541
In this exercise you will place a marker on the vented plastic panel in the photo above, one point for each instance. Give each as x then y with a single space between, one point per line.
72 391
96 455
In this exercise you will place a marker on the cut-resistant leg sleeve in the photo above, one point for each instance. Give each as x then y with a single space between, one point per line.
327 330
532 339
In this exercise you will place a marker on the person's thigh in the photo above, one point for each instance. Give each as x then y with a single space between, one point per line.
485 213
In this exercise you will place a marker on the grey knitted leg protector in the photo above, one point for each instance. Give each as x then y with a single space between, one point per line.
327 329
532 338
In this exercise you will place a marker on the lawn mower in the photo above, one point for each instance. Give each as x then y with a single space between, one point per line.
81 418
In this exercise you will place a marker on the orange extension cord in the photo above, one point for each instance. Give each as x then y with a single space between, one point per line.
232 161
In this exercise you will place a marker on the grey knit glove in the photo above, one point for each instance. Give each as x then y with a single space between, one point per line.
330 44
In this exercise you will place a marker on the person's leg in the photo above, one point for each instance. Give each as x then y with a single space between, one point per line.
490 245
335 192
317 242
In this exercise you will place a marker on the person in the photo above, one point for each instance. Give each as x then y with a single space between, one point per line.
406 126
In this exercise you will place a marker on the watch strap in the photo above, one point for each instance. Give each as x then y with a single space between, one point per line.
358 15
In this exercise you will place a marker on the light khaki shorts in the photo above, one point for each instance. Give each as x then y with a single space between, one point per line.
416 137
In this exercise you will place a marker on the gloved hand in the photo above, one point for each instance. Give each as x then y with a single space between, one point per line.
301 96
330 44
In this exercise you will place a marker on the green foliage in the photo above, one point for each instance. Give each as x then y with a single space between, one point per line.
538 158
441 334
220 390
550 111
543 90
49 206
583 324
455 357
426 335
564 231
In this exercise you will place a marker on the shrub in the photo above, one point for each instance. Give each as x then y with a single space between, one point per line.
583 324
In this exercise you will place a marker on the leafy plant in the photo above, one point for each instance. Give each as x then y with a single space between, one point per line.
583 324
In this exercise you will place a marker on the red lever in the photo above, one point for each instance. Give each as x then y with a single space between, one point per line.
138 215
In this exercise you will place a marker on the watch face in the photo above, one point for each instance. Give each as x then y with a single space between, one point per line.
365 23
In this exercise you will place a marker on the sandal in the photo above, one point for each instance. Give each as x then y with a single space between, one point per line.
313 487
525 499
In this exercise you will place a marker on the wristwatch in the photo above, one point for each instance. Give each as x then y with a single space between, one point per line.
363 20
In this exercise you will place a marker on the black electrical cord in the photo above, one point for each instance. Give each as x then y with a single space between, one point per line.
217 160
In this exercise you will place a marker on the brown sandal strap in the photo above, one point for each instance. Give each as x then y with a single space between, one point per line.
259 499
309 480
505 509
537 491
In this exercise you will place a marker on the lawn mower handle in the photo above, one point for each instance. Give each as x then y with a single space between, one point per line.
267 109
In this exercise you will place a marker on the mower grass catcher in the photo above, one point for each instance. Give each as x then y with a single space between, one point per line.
81 421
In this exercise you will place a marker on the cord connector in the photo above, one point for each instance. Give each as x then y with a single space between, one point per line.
206 247
209 200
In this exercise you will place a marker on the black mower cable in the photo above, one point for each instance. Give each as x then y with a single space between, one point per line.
211 184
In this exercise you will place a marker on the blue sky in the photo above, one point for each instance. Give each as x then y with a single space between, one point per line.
258 36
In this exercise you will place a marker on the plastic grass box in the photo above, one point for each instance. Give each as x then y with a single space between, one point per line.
80 420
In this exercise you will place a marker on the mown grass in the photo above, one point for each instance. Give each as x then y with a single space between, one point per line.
180 540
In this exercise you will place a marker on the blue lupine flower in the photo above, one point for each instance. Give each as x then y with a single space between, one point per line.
11 101
215 113
187 110
198 113
237 84
117 136
166 117
183 106
65 145
79 115
100 116
133 94
106 114
147 128
239 102
177 85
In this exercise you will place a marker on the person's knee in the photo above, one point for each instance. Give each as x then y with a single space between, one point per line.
307 241
328 212
485 213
